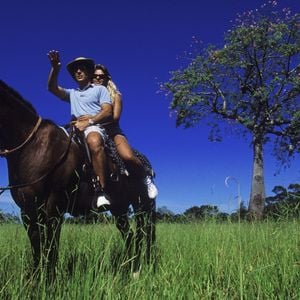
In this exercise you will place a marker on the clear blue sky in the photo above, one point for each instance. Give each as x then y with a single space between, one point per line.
139 42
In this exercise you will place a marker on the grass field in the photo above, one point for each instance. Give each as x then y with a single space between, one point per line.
194 261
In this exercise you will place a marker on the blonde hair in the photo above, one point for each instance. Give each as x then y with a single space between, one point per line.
113 90
111 86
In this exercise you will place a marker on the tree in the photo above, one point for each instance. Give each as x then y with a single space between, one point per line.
8 218
251 82
201 212
240 214
164 214
193 212
2 217
285 203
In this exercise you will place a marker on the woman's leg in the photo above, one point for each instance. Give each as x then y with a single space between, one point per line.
126 153
135 165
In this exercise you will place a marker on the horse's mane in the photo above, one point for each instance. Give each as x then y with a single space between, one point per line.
13 93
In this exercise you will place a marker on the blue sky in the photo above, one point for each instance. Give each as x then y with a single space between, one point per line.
139 42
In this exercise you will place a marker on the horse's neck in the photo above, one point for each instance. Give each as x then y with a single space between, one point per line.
19 126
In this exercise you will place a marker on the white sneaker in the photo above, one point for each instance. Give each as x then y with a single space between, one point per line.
151 188
102 201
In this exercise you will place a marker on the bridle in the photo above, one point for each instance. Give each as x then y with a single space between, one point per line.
34 130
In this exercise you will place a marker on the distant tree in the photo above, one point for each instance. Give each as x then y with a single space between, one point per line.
289 144
90 218
209 210
164 210
2 218
285 203
165 214
281 194
193 212
240 214
201 212
295 189
222 216
8 218
252 82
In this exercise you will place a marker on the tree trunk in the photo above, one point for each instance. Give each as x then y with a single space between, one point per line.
257 196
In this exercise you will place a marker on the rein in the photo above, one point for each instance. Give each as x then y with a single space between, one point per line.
34 130
10 187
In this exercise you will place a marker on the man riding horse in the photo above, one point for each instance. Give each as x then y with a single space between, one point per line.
90 106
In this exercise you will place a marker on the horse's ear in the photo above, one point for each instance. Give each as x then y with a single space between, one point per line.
3 85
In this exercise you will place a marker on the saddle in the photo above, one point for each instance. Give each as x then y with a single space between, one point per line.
112 152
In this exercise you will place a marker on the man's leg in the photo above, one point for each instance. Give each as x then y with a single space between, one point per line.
96 146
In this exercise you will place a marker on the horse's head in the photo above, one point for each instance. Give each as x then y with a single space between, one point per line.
6 111
12 104
15 113
6 106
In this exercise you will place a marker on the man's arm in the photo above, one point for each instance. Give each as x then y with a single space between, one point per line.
104 116
53 86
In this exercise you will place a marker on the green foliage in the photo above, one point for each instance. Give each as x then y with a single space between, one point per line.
192 214
8 218
240 214
285 204
202 212
90 218
252 81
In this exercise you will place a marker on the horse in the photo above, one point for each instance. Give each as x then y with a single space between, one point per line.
45 166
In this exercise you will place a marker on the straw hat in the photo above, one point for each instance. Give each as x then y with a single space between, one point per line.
87 62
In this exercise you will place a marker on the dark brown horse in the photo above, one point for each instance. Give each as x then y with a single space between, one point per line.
45 167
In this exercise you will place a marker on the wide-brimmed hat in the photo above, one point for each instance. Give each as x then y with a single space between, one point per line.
87 62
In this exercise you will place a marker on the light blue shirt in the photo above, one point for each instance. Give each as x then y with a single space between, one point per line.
87 101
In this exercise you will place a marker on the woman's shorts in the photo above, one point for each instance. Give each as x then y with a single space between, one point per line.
114 129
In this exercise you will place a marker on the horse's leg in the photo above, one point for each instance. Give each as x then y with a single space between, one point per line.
53 229
53 226
31 227
138 241
145 218
123 225
150 231
33 220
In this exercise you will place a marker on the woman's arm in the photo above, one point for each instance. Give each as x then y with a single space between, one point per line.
117 107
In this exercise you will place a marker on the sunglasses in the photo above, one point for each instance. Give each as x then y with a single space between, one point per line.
99 76
81 67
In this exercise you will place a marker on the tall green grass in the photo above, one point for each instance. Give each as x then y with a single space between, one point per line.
194 261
